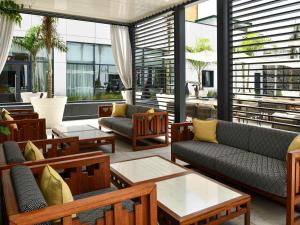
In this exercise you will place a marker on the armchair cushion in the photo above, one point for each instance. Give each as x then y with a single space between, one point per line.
91 216
32 153
54 188
12 152
28 194
131 109
106 121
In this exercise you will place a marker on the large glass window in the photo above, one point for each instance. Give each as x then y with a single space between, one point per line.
91 73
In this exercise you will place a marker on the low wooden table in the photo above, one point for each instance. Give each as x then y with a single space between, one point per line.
89 136
184 197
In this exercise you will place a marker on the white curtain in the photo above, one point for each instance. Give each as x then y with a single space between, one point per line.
121 48
6 36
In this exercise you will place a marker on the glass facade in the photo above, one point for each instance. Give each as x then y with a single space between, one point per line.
17 77
91 72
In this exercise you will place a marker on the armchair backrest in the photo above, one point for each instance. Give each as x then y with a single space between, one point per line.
28 129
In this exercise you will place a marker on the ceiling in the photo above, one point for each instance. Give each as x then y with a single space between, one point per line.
121 11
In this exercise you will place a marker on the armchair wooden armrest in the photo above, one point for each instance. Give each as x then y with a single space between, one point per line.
49 160
181 132
105 110
27 129
55 147
25 115
144 211
293 186
20 110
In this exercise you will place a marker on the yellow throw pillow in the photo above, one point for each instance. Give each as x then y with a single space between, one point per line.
205 130
119 110
9 118
4 111
54 188
32 153
150 113
295 144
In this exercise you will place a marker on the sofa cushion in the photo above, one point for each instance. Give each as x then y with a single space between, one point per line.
131 109
233 134
106 121
270 142
91 216
141 109
12 152
28 194
122 125
262 172
202 153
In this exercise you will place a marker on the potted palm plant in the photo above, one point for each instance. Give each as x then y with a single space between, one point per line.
52 108
32 43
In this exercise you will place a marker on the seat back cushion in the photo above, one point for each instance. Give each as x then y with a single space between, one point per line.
141 109
233 134
12 152
28 194
131 109
270 142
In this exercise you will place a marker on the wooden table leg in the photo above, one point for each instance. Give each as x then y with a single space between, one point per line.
247 215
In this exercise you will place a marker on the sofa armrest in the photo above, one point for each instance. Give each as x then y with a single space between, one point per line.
144 212
25 115
105 110
157 125
20 110
55 147
181 132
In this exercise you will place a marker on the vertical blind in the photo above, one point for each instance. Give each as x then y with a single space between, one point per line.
265 64
154 63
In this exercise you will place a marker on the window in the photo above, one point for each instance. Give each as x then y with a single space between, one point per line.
208 78
265 74
91 73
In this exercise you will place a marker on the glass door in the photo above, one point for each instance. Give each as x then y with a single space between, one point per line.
14 79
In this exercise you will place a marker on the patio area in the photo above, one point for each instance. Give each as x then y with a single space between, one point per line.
170 112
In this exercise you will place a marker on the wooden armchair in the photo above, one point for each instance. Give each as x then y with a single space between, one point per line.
53 150
85 175
142 127
21 114
27 129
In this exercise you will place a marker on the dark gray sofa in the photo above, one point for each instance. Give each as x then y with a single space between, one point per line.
248 156
252 155
135 125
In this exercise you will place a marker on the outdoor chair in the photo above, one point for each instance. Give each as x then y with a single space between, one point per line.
95 201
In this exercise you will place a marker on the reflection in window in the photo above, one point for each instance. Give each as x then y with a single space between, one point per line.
91 73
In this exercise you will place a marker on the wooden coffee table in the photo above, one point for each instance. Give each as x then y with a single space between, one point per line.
89 136
183 196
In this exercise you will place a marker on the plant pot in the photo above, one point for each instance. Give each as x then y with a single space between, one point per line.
52 109
26 96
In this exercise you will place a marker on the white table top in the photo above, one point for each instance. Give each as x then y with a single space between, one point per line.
191 193
74 128
146 168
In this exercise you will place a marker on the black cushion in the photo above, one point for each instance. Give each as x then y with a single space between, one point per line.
12 152
27 191
91 216
270 142
233 134
262 172
131 109
202 153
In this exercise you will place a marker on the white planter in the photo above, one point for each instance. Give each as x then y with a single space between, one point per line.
52 109
26 96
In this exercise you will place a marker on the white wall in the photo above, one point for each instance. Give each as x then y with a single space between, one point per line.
193 32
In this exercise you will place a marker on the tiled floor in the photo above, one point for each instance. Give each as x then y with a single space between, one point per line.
263 211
